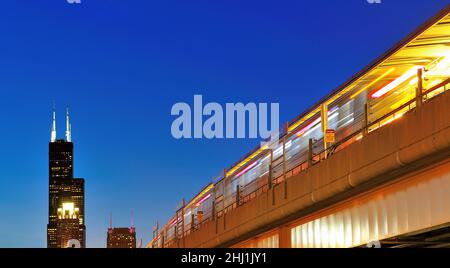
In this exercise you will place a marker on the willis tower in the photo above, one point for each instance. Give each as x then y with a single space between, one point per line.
66 218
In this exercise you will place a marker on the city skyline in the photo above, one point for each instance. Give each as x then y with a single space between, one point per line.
122 118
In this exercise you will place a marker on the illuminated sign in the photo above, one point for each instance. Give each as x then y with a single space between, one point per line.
330 135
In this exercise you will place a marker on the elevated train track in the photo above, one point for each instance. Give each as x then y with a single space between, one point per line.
391 123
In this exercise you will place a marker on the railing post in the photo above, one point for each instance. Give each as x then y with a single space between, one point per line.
419 88
273 196
213 208
324 119
238 195
310 153
270 179
284 168
182 218
366 120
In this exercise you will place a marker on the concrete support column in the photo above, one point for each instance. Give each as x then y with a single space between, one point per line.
284 237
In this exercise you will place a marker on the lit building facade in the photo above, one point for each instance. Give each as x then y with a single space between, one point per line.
66 218
121 238
68 225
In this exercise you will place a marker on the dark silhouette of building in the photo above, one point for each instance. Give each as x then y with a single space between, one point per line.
66 218
121 237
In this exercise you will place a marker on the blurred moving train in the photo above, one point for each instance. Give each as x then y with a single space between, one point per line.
415 70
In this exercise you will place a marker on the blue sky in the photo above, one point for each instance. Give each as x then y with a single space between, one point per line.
122 64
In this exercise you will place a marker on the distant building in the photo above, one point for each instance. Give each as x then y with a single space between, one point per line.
66 216
121 237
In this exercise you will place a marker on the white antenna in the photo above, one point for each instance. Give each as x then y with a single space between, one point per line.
68 127
53 132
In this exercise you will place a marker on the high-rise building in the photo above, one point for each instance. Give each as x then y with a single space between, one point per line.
121 237
66 218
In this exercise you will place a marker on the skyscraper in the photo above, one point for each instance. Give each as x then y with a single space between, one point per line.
66 218
122 237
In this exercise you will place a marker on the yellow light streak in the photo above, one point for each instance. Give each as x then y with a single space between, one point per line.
397 82
246 160
444 62
435 82
403 100
202 193
372 83
414 81
303 119
397 116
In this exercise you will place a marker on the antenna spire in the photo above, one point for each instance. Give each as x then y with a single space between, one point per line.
132 229
68 126
110 229
53 132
